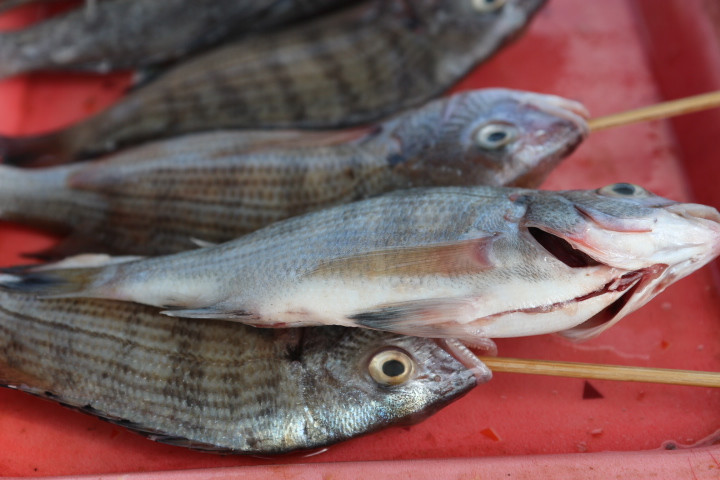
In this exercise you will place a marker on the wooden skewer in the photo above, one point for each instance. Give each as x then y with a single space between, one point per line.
603 372
658 111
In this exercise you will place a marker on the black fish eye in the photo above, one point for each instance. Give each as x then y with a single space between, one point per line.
623 190
391 367
493 136
497 136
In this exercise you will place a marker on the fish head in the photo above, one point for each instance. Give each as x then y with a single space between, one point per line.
492 137
466 32
493 18
363 380
642 243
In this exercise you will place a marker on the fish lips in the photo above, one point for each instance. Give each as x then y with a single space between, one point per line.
550 144
640 287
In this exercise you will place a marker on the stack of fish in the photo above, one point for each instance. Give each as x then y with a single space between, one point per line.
414 233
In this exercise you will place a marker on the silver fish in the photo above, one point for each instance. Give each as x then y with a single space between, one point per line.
222 386
466 263
127 34
215 187
351 68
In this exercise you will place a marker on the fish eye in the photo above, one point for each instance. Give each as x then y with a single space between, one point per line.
627 190
495 135
391 367
485 6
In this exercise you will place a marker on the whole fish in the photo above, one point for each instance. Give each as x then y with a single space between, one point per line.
350 68
466 263
219 385
127 34
215 187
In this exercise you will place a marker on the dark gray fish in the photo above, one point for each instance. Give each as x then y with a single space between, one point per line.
127 34
222 386
215 187
345 69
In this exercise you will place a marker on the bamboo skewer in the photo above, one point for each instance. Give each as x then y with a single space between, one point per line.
657 111
603 372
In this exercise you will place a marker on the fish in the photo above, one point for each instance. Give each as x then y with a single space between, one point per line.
351 68
469 263
129 34
163 197
222 386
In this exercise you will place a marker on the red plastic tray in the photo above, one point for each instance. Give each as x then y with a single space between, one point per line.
612 55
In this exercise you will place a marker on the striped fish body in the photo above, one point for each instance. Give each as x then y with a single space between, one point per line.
220 386
154 199
128 34
346 69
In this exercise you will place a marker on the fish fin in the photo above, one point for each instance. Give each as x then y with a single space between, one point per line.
69 246
84 260
215 312
37 150
56 283
202 243
462 354
144 76
13 378
435 318
463 257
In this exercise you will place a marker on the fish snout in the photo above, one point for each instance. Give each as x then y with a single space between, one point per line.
569 119
704 225
695 211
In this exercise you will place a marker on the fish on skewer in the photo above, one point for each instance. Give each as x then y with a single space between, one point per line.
128 34
467 263
351 68
222 386
156 198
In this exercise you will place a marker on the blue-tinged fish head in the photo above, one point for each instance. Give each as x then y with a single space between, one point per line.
648 242
372 379
467 32
490 137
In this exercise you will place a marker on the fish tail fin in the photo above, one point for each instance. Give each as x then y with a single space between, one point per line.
34 197
57 283
38 150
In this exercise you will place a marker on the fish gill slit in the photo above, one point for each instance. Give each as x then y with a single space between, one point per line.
562 250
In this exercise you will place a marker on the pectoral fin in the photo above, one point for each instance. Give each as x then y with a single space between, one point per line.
435 318
463 257
216 312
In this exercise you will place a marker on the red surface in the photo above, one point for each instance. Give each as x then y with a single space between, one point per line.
612 55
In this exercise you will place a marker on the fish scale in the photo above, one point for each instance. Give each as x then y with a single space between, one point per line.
218 186
128 34
349 68
471 263
215 385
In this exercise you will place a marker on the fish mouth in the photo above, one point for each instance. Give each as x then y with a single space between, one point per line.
635 285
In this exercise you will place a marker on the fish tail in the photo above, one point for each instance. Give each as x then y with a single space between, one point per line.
12 61
57 283
39 150
39 197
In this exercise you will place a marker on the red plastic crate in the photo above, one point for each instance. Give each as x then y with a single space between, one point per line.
612 55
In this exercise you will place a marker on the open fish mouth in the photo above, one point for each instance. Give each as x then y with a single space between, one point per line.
637 287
